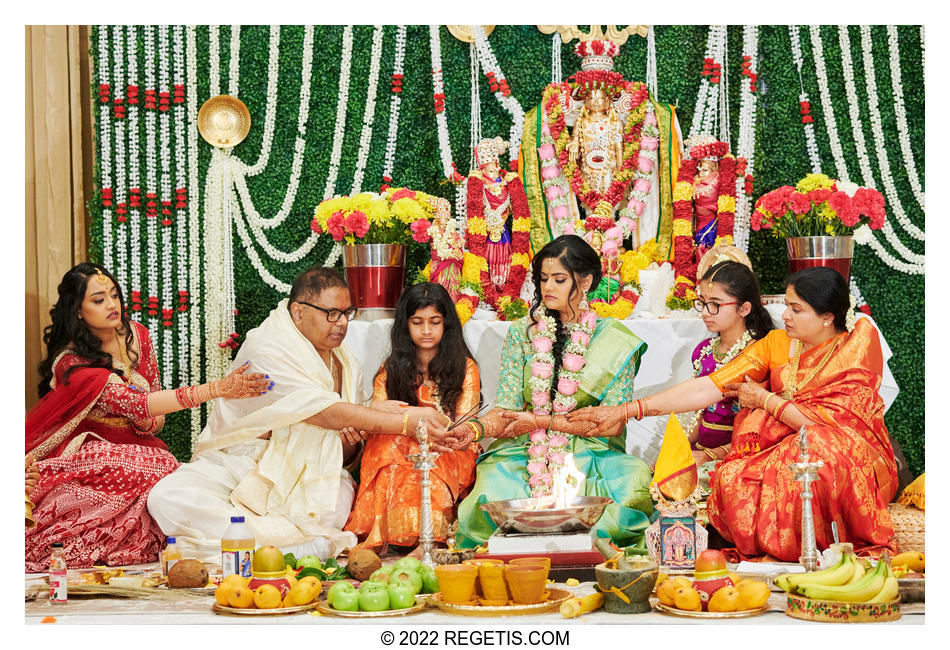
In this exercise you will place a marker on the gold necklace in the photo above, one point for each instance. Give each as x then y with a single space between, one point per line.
790 387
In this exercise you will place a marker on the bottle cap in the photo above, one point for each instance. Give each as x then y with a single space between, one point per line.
57 545
237 520
170 540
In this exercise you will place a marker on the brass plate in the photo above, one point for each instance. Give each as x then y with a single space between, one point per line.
238 611
324 608
666 609
224 121
553 602
464 32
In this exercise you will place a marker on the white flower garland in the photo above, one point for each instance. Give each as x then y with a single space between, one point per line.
811 144
475 118
194 231
218 298
151 187
438 88
507 101
556 73
105 148
857 129
859 300
834 141
746 144
903 133
343 98
166 347
252 255
234 62
711 348
181 223
120 188
214 60
881 145
864 235
270 110
134 173
651 75
705 114
369 111
395 102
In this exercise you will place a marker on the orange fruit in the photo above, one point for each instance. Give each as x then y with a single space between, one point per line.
753 594
235 580
725 599
312 580
666 591
687 598
221 594
241 597
267 597
735 578
660 577
681 581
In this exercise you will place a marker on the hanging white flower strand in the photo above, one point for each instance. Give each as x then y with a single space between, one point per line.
181 222
134 209
234 62
746 145
164 203
369 111
395 102
705 114
503 93
105 148
903 133
339 126
194 225
120 189
808 123
270 110
556 73
150 287
438 92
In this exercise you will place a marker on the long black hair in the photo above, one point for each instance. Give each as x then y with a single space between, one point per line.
825 290
740 282
67 329
447 368
580 259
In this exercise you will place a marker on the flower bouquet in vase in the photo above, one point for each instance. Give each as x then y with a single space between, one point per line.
374 229
817 219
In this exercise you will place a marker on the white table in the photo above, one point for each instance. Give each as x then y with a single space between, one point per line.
670 342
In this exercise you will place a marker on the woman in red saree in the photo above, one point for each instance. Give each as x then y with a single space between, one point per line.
822 372
93 431
429 365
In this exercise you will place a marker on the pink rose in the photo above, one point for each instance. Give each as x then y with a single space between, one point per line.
540 479
552 192
567 386
645 165
573 362
538 435
800 203
561 408
650 144
557 458
535 468
546 152
627 222
637 206
420 230
649 119
541 369
560 211
537 451
560 440
581 338
608 248
541 344
642 185
539 398
615 232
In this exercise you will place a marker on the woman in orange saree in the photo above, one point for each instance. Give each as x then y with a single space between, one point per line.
429 365
822 372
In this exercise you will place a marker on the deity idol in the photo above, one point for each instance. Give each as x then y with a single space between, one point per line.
598 141
446 255
705 192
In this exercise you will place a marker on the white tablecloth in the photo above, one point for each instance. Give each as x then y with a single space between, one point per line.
670 342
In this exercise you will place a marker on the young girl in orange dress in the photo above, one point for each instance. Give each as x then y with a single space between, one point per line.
823 372
428 365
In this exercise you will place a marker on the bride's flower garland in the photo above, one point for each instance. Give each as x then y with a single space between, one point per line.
499 87
546 448
808 122
903 133
712 348
369 111
395 101
745 148
476 241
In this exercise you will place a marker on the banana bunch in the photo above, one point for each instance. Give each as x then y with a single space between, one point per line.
848 581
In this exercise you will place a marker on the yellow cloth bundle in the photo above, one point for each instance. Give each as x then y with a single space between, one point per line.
913 494
675 473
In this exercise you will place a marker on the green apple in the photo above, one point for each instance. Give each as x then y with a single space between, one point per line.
381 575
430 584
311 561
409 563
407 577
400 596
344 596
373 596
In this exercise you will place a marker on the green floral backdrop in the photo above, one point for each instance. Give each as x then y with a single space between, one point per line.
524 54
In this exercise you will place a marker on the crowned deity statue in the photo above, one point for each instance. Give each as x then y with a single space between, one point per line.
596 144
447 254
705 193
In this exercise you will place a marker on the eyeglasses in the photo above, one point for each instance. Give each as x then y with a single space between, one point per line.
333 315
711 307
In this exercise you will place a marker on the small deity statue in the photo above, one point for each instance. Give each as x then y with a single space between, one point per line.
597 139
705 191
447 252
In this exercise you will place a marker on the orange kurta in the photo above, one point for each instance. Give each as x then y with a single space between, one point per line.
387 510
755 501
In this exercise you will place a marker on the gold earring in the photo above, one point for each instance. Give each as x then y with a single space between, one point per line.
583 305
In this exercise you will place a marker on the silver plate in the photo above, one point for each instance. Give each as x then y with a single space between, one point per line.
524 515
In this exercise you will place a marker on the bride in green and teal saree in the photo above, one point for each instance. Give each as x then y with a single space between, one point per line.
560 357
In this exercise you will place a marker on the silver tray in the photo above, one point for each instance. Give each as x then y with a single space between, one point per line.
524 515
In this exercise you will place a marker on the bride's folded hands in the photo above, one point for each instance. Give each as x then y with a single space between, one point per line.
605 420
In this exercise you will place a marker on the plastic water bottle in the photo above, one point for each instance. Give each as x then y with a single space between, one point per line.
57 576
170 555
237 549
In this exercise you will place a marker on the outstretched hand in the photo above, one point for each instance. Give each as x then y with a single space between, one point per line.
238 385
750 393
605 420
32 475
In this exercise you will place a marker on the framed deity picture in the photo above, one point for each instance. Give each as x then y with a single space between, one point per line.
678 542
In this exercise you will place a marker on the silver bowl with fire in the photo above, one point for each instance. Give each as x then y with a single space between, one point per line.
539 516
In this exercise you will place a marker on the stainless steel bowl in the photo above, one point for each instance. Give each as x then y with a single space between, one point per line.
525 515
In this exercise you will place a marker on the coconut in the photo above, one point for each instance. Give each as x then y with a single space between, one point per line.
187 573
362 563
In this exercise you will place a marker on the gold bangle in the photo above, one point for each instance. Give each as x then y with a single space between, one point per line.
405 423
474 430
765 406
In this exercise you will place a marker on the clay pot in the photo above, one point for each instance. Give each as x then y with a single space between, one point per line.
539 561
526 582
457 582
479 563
635 583
491 578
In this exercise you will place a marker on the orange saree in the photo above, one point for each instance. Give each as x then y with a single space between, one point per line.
755 502
387 510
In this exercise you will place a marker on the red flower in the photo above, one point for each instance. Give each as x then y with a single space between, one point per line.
808 119
800 203
420 230
335 226
756 222
403 193
315 226
804 108
819 195
357 223
844 208
866 309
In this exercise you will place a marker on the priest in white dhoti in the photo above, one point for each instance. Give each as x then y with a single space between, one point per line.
279 459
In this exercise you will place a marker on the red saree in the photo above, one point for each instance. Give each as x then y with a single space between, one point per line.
96 468
755 502
386 510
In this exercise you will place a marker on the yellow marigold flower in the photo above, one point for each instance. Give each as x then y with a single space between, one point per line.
726 203
622 308
521 225
427 271
682 191
472 268
602 309
827 212
813 182
463 310
407 210
649 248
504 301
520 259
477 226
724 240
682 228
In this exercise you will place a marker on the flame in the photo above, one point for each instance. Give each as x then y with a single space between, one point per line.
567 483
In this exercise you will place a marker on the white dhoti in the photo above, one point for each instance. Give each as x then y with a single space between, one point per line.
291 489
